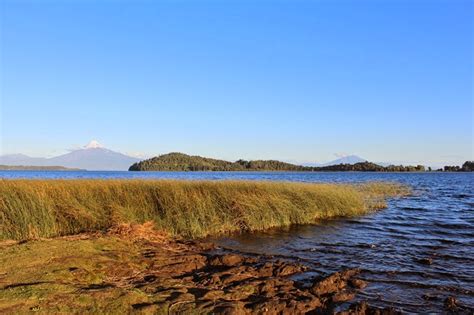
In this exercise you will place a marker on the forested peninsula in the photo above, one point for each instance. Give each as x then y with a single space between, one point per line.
183 162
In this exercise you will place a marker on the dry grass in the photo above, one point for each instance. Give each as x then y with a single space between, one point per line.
46 208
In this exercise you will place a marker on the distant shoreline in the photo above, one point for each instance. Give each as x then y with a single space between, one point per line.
177 161
37 168
53 169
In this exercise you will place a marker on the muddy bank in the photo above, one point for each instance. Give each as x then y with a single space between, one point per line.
134 270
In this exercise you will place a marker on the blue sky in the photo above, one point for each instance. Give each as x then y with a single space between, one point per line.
289 80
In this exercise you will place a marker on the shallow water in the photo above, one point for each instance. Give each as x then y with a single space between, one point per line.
436 223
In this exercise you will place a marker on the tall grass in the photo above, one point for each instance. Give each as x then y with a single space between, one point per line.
48 208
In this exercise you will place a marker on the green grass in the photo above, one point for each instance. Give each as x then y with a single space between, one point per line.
44 283
32 209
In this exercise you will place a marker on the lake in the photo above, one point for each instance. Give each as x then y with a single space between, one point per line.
414 254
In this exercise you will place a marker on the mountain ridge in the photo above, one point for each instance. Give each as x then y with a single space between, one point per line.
349 159
93 157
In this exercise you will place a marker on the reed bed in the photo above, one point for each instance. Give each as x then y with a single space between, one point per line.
32 209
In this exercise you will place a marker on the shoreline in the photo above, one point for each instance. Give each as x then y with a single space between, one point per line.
108 260
241 171
133 268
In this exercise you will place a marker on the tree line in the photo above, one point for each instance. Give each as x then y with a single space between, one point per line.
182 162
468 166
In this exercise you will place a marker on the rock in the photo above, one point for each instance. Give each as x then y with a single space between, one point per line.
430 297
231 260
213 295
145 307
334 282
237 274
450 303
181 264
362 308
230 308
342 297
266 270
251 260
240 292
149 278
228 260
358 283
287 270
181 297
425 261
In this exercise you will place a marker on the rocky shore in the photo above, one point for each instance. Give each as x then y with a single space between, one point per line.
135 270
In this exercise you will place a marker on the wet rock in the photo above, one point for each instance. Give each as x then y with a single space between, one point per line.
251 260
266 270
358 283
451 304
228 260
424 261
430 297
231 260
334 282
268 288
287 269
204 246
342 296
362 308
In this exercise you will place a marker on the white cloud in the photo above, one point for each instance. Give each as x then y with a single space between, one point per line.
138 155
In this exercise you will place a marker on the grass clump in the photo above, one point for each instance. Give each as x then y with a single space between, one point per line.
46 208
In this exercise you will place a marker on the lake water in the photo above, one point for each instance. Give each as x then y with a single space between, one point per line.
436 223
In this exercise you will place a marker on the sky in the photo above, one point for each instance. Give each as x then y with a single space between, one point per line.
290 80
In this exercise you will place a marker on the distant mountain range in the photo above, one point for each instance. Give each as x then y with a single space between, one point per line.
36 168
349 159
95 157
91 157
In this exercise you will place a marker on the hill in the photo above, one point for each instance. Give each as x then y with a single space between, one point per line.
182 162
21 159
350 159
